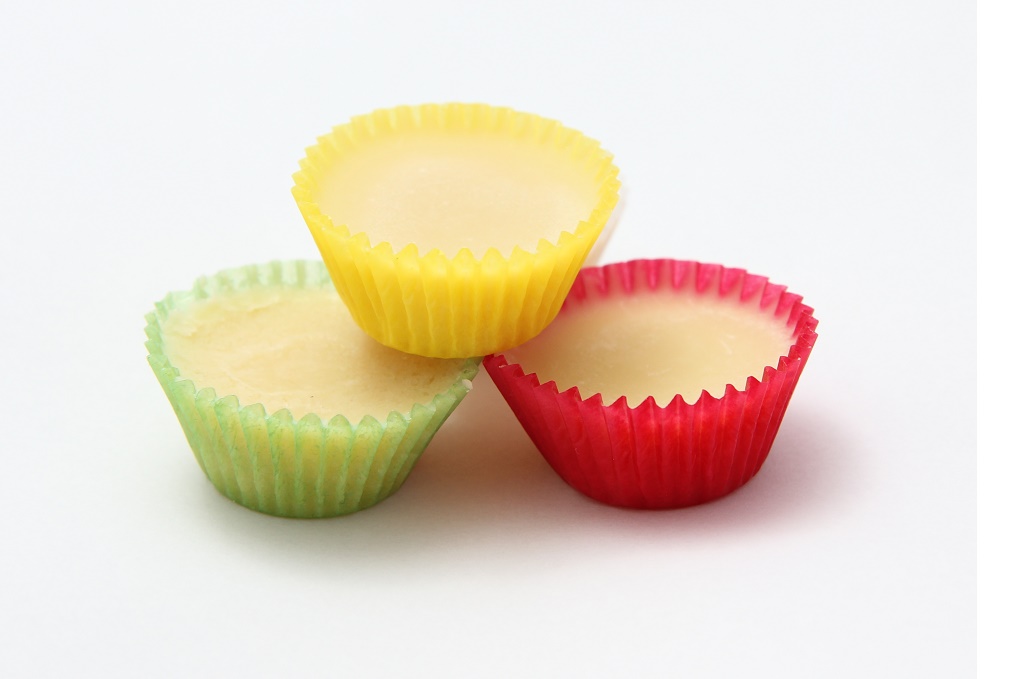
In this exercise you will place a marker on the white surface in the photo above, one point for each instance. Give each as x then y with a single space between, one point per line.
829 146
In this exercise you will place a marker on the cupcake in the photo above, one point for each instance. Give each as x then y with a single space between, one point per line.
662 383
454 230
289 408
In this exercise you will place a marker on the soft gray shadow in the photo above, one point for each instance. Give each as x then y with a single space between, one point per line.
482 485
595 256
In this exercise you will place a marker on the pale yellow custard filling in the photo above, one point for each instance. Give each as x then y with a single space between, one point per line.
298 349
449 191
657 343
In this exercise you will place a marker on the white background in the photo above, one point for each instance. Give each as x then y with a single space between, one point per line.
827 145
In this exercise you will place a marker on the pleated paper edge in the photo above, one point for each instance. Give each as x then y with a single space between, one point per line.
595 280
453 116
184 395
609 470
371 278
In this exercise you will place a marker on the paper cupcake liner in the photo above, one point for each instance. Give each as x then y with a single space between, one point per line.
433 305
651 456
272 463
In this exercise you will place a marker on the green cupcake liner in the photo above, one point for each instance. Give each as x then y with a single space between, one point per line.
272 463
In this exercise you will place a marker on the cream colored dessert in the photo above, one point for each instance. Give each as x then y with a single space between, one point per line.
657 343
455 190
298 349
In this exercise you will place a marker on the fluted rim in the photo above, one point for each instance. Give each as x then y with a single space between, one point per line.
268 462
676 455
595 283
298 274
457 116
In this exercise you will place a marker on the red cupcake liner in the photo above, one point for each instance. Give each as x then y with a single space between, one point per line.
659 457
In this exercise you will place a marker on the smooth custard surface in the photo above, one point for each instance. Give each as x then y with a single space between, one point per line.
301 350
449 191
657 343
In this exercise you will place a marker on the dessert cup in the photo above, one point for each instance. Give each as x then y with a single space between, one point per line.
292 461
666 450
454 230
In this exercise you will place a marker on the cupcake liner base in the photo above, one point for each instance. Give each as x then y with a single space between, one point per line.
661 457
272 463
453 305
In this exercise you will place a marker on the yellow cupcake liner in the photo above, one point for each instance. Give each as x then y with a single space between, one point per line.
272 463
434 305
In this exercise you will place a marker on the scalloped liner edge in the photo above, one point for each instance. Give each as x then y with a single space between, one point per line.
258 459
661 457
598 280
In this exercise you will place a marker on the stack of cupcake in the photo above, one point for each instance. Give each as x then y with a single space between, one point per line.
453 232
